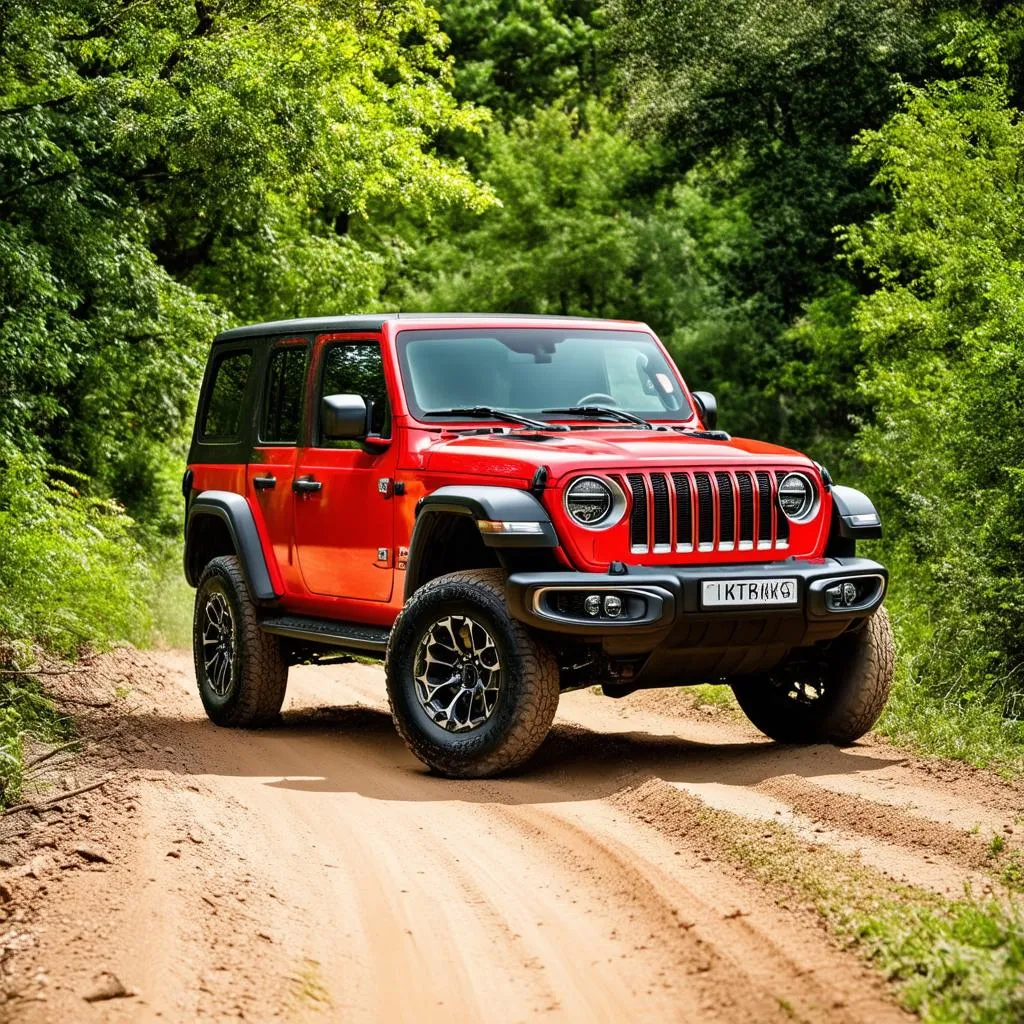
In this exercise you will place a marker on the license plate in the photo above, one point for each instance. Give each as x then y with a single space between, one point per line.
748 593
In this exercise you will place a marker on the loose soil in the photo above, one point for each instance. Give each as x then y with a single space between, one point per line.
315 871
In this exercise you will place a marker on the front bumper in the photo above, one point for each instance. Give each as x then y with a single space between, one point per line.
664 610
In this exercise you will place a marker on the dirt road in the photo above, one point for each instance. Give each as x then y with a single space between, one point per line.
316 872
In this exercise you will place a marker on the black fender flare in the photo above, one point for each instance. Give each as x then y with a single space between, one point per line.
854 515
234 512
480 503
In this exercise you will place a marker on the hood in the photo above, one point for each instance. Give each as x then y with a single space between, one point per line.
520 453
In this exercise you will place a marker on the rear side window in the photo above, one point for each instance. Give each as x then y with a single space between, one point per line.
222 418
358 369
282 407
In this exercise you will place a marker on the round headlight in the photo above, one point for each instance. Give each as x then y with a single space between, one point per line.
797 497
594 503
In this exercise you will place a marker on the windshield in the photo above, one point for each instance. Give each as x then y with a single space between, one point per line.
530 370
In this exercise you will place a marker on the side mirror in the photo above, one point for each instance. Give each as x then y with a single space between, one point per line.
707 408
343 417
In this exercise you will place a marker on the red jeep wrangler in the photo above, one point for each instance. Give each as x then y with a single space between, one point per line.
506 507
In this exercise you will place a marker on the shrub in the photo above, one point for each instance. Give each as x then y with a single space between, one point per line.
71 568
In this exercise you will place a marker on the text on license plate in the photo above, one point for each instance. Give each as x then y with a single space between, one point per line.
738 593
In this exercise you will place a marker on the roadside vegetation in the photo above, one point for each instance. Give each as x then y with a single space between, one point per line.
949 959
818 205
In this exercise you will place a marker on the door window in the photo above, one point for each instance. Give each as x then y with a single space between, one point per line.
357 368
282 407
222 418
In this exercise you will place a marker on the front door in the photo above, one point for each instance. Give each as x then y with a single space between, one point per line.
344 525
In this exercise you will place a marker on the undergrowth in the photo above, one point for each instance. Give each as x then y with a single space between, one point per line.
73 574
939 713
24 712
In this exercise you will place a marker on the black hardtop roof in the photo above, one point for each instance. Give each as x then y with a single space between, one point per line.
374 322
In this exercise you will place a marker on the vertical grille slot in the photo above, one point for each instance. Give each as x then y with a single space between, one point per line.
638 517
662 519
684 512
764 510
726 512
782 527
705 512
746 499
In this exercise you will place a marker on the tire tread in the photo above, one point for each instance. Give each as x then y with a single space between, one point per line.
540 693
264 672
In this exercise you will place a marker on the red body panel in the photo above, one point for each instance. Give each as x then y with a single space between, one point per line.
323 548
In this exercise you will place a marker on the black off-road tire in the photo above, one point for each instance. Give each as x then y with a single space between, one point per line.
856 670
528 689
259 673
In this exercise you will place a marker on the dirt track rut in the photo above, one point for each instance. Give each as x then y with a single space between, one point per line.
316 872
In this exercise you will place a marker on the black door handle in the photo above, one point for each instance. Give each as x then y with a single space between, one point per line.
306 485
264 483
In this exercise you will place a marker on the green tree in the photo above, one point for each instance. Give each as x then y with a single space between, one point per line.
514 55
943 340
762 102
166 167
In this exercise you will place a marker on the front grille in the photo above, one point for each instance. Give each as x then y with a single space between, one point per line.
718 510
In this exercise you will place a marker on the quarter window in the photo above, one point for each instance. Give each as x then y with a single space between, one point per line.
286 382
222 418
358 369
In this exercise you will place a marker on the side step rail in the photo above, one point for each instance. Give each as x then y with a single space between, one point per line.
352 636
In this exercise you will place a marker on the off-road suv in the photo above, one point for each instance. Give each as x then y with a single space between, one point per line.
505 508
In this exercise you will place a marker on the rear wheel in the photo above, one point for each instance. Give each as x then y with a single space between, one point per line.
828 694
241 671
472 693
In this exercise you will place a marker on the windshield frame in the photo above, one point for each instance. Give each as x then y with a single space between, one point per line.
676 417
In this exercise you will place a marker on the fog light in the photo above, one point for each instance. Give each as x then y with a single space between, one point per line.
841 595
592 605
612 606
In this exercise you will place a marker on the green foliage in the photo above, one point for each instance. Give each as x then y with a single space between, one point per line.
762 101
71 568
166 166
943 340
11 745
24 711
962 961
514 55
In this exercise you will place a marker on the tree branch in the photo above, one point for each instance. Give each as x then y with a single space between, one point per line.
50 104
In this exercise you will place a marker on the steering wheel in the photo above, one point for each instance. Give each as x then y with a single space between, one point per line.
597 398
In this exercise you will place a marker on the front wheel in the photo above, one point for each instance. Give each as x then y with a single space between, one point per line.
472 693
829 694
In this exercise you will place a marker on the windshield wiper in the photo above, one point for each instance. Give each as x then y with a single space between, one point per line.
485 412
601 410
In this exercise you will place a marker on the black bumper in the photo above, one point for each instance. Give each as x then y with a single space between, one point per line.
666 609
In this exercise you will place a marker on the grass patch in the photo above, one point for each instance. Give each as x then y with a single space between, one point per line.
710 695
968 729
170 605
950 960
308 986
25 712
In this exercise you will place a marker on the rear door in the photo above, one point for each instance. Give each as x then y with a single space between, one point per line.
344 522
271 469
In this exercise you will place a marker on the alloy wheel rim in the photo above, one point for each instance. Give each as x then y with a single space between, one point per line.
218 644
457 673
